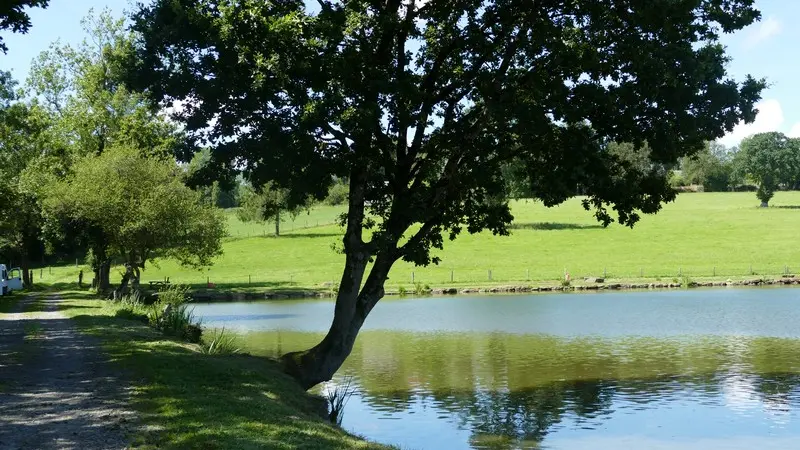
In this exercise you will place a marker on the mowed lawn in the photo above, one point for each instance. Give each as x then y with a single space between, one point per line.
698 235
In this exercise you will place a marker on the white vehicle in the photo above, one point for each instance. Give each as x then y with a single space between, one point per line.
8 281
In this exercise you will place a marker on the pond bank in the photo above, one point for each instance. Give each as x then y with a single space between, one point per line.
590 285
187 399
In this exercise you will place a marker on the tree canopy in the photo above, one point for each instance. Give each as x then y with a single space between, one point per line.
420 105
141 206
769 159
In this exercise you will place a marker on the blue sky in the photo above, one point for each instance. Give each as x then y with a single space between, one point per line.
765 49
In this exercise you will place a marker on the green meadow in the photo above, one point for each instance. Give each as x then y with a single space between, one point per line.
699 235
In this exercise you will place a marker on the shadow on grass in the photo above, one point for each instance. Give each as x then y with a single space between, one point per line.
189 400
553 226
786 207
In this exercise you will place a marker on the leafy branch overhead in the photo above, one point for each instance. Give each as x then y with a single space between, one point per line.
427 101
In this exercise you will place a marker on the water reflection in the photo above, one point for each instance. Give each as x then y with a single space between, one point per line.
688 369
517 391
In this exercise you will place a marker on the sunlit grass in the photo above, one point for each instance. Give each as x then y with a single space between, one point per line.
187 399
699 235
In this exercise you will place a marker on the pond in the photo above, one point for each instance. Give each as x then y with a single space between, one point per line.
700 369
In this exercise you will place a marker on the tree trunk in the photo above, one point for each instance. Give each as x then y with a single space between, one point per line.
321 362
353 303
123 285
104 276
136 278
278 222
764 204
27 279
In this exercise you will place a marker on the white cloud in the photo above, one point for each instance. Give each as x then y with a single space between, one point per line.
769 118
794 132
766 29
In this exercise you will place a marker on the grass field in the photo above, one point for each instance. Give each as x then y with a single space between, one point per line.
699 235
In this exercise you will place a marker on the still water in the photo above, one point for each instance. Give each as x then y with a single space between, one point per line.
697 369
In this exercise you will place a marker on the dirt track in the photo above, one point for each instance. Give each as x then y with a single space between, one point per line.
57 390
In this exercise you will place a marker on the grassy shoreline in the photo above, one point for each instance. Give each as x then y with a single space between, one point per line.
575 286
186 399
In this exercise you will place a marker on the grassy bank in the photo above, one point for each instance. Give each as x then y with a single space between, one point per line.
702 236
186 399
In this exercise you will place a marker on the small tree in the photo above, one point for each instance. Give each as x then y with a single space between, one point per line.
267 204
143 209
769 159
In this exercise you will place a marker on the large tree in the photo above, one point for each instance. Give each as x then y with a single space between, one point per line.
142 208
14 17
770 159
83 89
420 105
23 138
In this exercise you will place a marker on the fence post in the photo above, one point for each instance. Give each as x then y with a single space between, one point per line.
412 277
680 271
751 269
41 273
249 280
528 274
605 273
490 274
715 271
451 275
641 272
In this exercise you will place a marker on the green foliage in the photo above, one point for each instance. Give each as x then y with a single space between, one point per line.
770 159
174 295
338 193
220 343
712 168
14 17
82 87
370 115
676 180
142 207
267 203
402 291
421 289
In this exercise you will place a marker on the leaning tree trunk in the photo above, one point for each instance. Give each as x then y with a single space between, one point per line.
278 222
123 285
353 301
321 362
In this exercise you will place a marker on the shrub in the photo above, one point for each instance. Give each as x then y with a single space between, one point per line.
402 291
338 193
421 289
676 180
174 295
220 343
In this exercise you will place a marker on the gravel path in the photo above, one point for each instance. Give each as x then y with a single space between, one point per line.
57 390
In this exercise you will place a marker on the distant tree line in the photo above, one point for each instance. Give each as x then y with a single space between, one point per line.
763 163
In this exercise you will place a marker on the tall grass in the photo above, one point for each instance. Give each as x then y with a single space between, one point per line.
220 343
337 395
